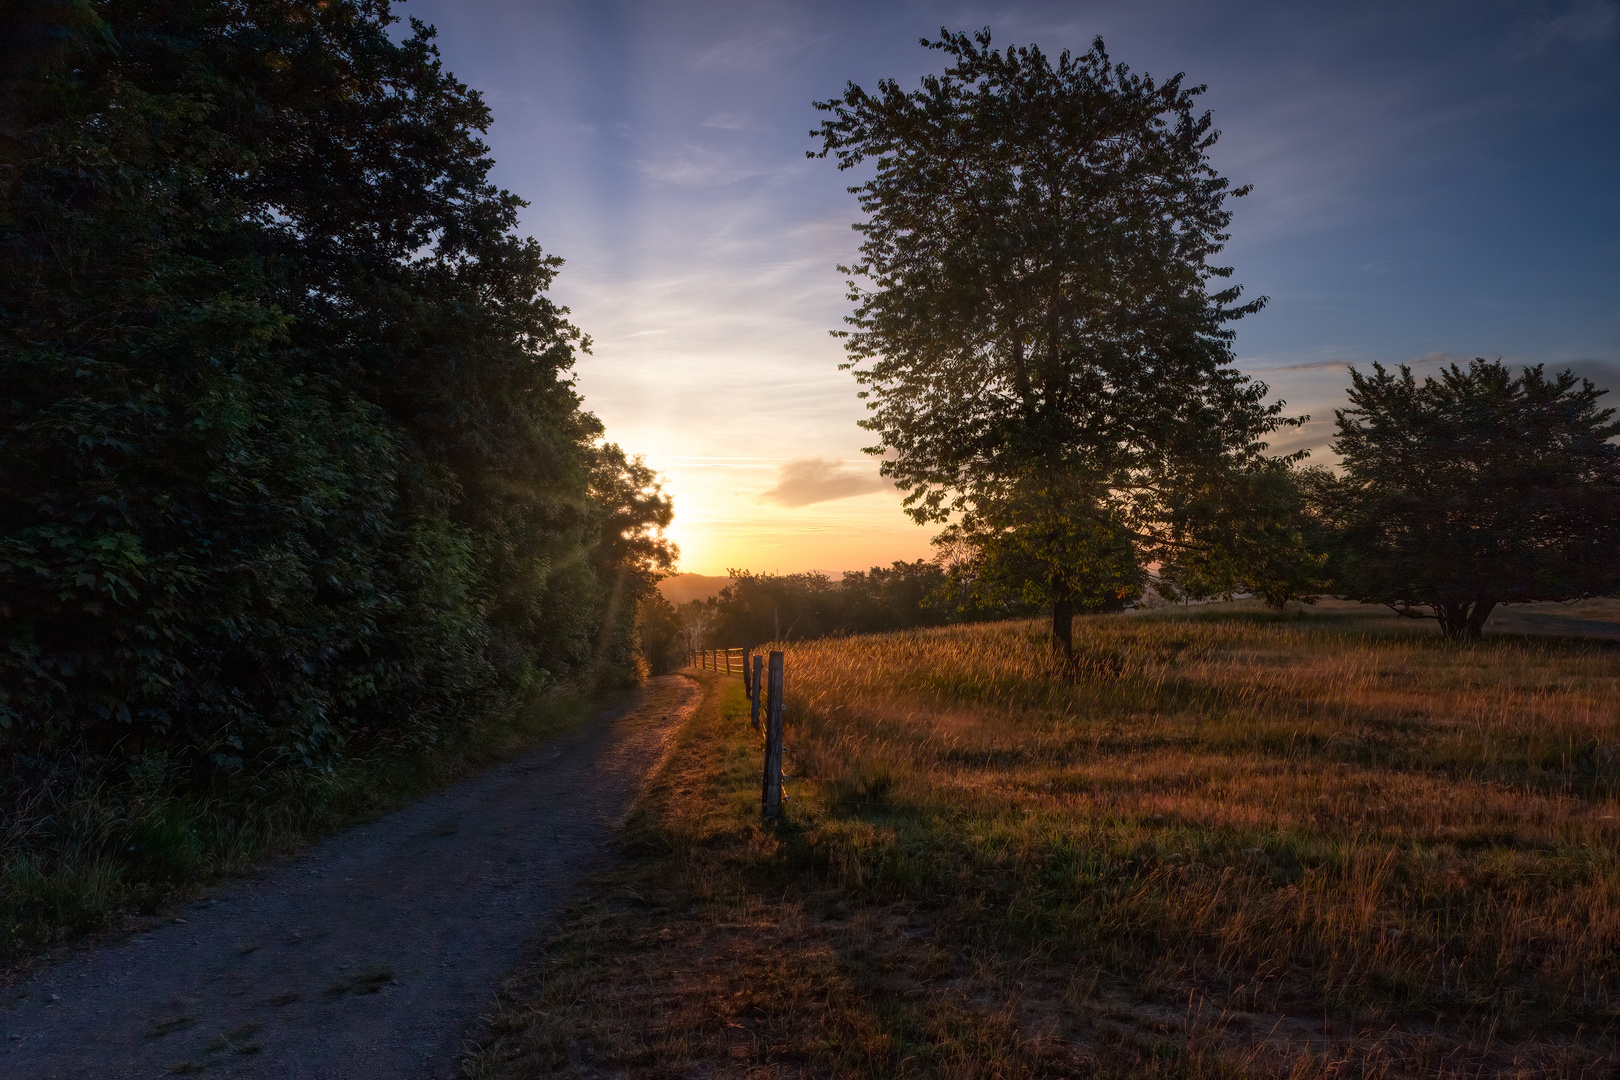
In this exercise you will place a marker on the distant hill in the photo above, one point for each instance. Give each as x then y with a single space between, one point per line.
683 587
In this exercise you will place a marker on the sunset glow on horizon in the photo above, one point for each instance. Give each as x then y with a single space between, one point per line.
722 523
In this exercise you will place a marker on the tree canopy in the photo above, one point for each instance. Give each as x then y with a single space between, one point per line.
1474 489
753 609
1039 331
290 456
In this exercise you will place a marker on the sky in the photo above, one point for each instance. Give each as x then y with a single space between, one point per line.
1433 181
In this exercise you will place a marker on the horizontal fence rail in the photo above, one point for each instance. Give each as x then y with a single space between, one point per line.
730 661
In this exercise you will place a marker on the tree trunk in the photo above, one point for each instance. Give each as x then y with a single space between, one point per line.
1465 620
1063 626
1453 617
1476 618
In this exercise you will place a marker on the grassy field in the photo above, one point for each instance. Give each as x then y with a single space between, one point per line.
1240 844
80 855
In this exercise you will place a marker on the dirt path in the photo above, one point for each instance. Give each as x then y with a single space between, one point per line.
368 957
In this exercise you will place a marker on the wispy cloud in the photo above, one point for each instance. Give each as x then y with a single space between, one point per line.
694 166
814 480
1583 23
764 48
1314 365
1438 359
1605 373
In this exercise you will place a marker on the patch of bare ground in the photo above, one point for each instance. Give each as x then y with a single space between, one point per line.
1236 845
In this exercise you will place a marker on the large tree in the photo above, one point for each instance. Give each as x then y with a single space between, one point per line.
290 456
1045 358
1474 489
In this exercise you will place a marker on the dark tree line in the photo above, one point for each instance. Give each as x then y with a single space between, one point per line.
290 458
757 608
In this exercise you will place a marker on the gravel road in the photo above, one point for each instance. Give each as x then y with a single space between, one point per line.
370 956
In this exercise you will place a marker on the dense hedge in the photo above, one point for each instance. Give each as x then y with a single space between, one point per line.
290 461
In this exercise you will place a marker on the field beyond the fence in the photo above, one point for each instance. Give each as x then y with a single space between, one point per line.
1234 844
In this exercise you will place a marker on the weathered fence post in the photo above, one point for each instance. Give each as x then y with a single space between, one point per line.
771 799
754 687
748 685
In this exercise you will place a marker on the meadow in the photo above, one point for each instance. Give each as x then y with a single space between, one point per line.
1236 843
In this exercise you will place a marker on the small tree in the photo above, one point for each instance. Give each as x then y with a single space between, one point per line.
1476 489
1045 362
663 638
1260 535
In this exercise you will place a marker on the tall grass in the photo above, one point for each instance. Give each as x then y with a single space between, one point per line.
1317 817
1234 844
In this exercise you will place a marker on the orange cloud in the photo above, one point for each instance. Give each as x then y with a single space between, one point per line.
813 480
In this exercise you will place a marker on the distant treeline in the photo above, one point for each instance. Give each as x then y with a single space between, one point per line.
757 608
291 463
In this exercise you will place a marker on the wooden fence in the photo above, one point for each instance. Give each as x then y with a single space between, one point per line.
759 681
730 661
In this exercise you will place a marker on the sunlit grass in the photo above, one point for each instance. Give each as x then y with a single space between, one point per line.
1290 816
1235 844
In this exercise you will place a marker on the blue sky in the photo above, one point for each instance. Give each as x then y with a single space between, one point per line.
1432 181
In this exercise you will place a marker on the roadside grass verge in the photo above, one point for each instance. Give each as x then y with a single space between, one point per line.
82 854
1239 844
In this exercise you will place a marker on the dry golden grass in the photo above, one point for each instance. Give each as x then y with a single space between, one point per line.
1238 845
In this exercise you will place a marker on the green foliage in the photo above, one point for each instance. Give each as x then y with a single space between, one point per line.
663 638
1040 347
1475 489
1045 550
758 608
291 465
897 597
1257 532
